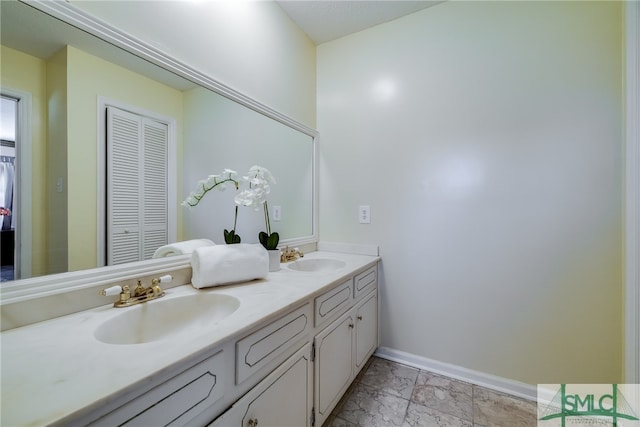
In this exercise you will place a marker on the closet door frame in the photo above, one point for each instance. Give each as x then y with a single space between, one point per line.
172 189
22 261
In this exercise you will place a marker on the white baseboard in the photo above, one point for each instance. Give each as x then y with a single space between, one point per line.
493 382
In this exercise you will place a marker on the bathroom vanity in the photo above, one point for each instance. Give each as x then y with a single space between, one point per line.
274 352
279 351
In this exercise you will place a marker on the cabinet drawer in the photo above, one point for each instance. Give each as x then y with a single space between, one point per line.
365 282
175 401
332 303
276 339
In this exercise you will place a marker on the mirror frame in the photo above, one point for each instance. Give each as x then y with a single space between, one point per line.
43 286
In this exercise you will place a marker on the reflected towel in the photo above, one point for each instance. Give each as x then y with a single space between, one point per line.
225 264
181 248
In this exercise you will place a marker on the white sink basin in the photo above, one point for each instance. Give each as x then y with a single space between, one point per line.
316 264
164 318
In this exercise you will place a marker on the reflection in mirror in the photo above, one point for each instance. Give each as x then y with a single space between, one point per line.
214 139
71 77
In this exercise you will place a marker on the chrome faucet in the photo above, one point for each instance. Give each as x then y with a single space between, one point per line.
290 254
139 295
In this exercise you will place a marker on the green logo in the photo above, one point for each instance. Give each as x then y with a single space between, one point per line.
605 407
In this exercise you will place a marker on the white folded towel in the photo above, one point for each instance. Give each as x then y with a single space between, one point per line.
181 248
225 264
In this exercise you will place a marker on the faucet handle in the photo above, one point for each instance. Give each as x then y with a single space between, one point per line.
167 278
162 279
113 290
155 284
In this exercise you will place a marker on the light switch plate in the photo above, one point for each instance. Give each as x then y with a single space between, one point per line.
364 214
277 213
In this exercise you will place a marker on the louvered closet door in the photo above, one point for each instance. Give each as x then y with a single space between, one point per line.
155 136
136 186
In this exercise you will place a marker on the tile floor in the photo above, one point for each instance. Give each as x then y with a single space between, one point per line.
390 394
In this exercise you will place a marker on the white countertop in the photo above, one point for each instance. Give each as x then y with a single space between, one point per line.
57 370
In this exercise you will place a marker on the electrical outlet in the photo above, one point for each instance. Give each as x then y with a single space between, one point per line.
364 214
277 213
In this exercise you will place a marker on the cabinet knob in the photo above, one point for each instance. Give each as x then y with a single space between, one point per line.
351 325
253 422
359 317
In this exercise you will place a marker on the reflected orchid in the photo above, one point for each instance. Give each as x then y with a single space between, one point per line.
218 182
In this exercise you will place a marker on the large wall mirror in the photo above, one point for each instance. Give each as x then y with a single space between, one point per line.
63 77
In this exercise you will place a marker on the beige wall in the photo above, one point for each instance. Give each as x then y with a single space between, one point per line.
68 84
90 77
487 139
57 130
28 74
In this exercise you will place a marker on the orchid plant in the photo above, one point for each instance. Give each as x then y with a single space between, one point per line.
259 181
218 182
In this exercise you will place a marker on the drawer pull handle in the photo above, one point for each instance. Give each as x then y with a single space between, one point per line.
359 317
253 422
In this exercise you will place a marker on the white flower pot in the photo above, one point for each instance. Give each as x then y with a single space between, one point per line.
274 260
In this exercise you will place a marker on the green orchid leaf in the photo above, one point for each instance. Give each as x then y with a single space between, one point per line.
269 241
272 241
230 237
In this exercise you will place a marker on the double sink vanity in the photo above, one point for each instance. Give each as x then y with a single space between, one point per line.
279 351
274 352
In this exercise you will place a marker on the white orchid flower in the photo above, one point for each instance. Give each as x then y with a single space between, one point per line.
218 182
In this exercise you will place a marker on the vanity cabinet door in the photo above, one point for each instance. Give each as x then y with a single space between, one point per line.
282 399
333 364
366 330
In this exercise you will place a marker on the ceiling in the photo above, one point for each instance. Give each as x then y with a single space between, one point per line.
326 20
